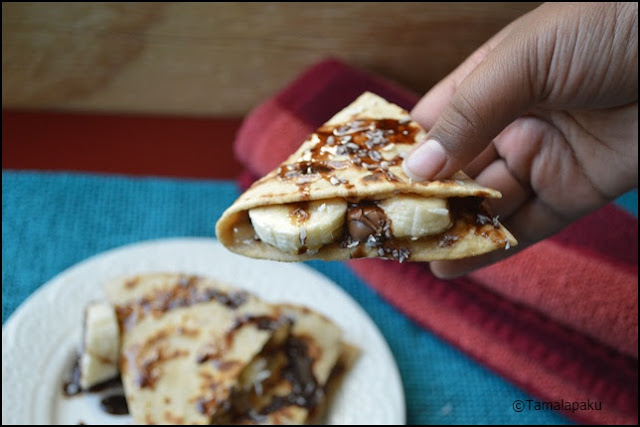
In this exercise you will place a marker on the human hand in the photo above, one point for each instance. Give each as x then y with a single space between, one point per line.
545 112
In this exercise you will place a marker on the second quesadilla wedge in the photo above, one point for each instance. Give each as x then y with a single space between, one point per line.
186 342
343 194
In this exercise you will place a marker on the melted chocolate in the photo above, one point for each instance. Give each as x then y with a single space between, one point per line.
366 220
462 205
106 385
115 404
295 366
368 226
305 390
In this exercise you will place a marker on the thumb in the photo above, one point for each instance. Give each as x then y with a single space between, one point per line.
492 95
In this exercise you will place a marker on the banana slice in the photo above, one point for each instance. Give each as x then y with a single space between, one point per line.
293 227
100 353
415 216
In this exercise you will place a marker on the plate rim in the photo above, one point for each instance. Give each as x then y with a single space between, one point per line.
51 287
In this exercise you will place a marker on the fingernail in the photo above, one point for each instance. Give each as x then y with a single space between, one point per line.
425 161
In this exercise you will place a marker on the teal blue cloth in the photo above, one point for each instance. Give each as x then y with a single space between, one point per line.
51 221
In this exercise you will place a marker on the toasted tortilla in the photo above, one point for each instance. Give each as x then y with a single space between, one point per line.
186 341
328 166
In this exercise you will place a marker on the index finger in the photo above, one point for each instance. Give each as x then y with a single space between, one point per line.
429 108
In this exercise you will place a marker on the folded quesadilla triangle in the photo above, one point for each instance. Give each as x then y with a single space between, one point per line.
297 379
186 341
350 169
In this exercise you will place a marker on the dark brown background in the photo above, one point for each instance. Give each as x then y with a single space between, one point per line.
111 86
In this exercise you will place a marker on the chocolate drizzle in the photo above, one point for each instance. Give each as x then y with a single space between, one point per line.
305 390
363 143
264 323
185 293
115 404
148 370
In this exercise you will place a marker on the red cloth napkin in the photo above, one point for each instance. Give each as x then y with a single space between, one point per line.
559 319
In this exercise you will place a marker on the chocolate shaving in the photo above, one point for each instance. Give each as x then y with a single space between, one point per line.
447 240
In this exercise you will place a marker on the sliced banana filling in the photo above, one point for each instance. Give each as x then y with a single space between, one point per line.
414 216
305 227
101 345
297 227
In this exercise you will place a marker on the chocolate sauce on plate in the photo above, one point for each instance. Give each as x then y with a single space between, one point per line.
115 404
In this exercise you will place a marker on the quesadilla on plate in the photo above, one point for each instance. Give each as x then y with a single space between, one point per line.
343 194
186 341
194 351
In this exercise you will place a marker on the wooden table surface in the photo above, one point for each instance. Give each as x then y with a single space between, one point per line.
222 58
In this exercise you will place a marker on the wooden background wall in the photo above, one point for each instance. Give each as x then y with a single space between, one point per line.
223 58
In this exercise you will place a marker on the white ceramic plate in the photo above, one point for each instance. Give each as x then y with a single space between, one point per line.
40 339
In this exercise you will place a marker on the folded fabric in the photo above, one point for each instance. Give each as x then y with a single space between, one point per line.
559 319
